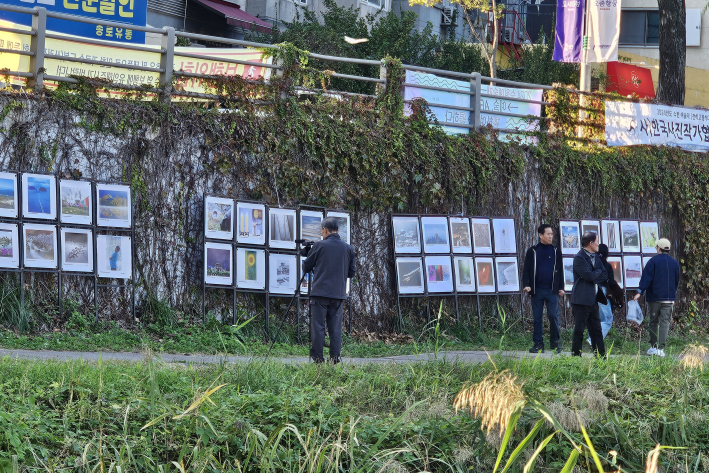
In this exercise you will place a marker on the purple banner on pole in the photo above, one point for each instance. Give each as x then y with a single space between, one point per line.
569 30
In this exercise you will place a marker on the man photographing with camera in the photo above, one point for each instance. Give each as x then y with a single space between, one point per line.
332 261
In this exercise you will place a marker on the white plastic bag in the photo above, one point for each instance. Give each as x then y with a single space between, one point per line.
635 314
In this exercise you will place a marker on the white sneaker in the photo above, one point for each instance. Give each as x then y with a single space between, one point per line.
653 351
660 352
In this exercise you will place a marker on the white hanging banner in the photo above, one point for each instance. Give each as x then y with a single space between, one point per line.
604 29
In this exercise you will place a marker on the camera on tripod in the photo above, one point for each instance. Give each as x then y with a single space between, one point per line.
306 247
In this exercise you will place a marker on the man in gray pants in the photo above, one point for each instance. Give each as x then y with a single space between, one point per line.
659 284
332 262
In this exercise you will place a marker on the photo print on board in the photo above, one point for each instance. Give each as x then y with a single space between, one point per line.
77 250
114 257
616 263
218 218
311 225
593 226
75 202
8 195
649 234
281 229
343 222
610 235
409 272
464 273
217 262
568 273
114 205
9 246
507 274
633 271
435 235
630 236
439 275
40 246
485 274
570 238
503 230
460 235
482 241
250 223
250 269
39 193
282 273
406 235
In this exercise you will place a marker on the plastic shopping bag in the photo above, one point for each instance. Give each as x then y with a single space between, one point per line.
634 313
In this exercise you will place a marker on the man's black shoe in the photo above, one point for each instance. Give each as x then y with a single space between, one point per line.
336 360
537 349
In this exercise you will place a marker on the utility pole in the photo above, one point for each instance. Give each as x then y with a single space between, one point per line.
585 80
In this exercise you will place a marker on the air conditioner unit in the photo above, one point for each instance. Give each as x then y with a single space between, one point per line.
447 16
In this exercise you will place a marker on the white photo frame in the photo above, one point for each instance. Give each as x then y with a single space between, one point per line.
591 226
461 240
507 272
118 264
568 264
39 196
218 262
114 203
646 260
75 202
281 229
439 274
344 221
464 267
250 268
77 250
482 239
610 235
409 275
435 235
310 225
282 273
305 278
616 263
250 224
630 236
218 218
649 234
485 275
503 230
407 235
8 195
569 237
40 245
633 267
9 246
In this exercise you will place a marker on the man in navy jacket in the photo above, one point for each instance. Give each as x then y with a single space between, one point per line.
332 262
589 273
659 284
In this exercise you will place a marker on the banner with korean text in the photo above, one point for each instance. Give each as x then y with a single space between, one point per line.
649 124
604 26
569 29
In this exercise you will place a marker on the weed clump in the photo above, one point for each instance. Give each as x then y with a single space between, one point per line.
693 357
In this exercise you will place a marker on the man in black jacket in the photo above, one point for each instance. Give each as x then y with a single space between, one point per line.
589 273
543 281
332 262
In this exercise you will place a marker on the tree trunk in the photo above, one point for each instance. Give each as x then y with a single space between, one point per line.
673 51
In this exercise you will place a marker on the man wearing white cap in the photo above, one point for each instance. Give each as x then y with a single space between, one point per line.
659 285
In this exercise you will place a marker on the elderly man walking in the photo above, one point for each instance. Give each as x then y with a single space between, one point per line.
659 285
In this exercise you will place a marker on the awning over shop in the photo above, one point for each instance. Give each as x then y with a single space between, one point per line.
628 79
237 17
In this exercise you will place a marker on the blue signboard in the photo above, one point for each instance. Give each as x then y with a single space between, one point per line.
130 12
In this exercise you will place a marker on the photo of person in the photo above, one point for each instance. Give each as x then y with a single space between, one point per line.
75 202
114 205
8 195
39 196
114 256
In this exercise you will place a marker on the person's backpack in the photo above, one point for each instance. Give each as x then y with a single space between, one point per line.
615 295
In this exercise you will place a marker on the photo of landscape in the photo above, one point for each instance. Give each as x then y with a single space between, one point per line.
7 193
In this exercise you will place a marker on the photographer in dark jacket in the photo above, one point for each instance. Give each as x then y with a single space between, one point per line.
543 281
332 262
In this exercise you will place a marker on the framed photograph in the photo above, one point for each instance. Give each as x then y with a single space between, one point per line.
569 233
39 193
439 274
75 202
630 236
503 230
464 273
646 260
281 229
40 246
593 226
616 263
407 238
435 235
409 275
113 254
77 250
649 234
310 225
282 274
568 274
217 262
8 195
633 271
485 275
306 279
250 268
507 274
9 246
250 223
218 218
343 222
482 241
460 235
610 235
114 205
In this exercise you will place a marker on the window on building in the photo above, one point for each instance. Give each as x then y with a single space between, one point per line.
639 27
376 3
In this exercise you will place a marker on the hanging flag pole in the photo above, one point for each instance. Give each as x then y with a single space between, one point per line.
585 82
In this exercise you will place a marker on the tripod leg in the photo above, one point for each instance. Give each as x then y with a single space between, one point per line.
285 314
